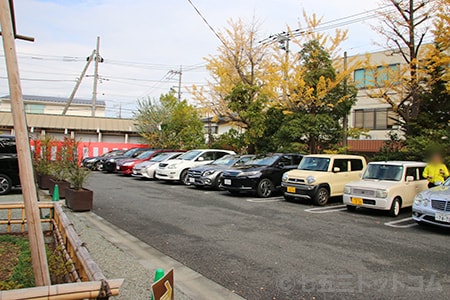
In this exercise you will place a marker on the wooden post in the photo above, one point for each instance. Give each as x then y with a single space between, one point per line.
35 234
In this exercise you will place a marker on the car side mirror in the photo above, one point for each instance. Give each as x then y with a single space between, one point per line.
409 178
200 158
336 169
280 165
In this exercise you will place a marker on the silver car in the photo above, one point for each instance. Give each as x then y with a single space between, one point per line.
147 168
433 206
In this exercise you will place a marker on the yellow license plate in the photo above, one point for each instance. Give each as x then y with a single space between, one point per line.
291 189
357 201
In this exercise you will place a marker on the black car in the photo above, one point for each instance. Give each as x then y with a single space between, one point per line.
9 164
95 163
109 163
261 175
209 175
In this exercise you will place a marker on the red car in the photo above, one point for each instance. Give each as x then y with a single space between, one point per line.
125 166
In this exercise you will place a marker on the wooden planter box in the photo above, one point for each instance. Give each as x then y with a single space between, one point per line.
86 278
79 200
62 186
43 181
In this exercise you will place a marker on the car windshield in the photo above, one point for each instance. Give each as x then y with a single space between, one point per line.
227 160
145 155
131 152
319 164
161 157
190 155
263 160
383 172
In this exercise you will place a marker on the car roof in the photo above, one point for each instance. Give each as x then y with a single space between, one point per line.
334 155
399 163
229 151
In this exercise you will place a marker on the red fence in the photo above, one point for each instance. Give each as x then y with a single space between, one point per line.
85 149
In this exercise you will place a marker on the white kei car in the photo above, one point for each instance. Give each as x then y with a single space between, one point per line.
387 185
147 168
177 169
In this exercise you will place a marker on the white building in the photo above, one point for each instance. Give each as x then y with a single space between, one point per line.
55 106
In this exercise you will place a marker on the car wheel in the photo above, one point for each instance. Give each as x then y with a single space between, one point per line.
322 196
184 178
395 207
264 188
5 184
98 166
351 207
289 198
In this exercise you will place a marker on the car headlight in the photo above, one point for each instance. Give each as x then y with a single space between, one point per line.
425 202
249 174
209 172
285 177
418 199
90 160
347 190
381 194
171 167
310 179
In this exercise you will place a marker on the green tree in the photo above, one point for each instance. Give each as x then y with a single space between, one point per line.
169 123
318 100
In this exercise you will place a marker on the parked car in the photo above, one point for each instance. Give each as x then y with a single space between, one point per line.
322 176
261 175
433 206
209 175
125 166
110 164
389 185
147 168
9 164
94 163
177 169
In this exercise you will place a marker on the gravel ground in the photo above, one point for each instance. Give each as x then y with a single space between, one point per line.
114 262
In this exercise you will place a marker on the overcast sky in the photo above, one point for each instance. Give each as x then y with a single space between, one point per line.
141 40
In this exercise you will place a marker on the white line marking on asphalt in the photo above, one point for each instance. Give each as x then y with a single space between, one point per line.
326 210
258 200
405 220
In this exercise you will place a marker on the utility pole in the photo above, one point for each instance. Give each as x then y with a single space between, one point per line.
345 120
26 173
180 74
77 85
94 92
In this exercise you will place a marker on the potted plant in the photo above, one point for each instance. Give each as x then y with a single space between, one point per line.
77 197
42 161
65 157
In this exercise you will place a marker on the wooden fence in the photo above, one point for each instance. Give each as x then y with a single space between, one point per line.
87 280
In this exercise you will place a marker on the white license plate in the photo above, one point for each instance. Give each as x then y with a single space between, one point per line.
227 181
191 180
443 217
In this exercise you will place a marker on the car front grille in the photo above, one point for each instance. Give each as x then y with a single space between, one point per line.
363 192
296 180
195 173
440 205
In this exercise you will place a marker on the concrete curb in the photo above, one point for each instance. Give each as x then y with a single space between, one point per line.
191 283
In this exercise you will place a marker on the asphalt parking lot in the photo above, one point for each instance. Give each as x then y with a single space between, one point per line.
273 249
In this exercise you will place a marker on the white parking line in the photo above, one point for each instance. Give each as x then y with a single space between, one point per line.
259 200
405 220
326 210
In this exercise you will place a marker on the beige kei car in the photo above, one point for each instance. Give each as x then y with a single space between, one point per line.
387 185
321 176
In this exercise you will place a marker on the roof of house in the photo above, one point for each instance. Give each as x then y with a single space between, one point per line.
59 100
45 121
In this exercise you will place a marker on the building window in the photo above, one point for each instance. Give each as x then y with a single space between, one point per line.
367 78
34 108
211 129
375 119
